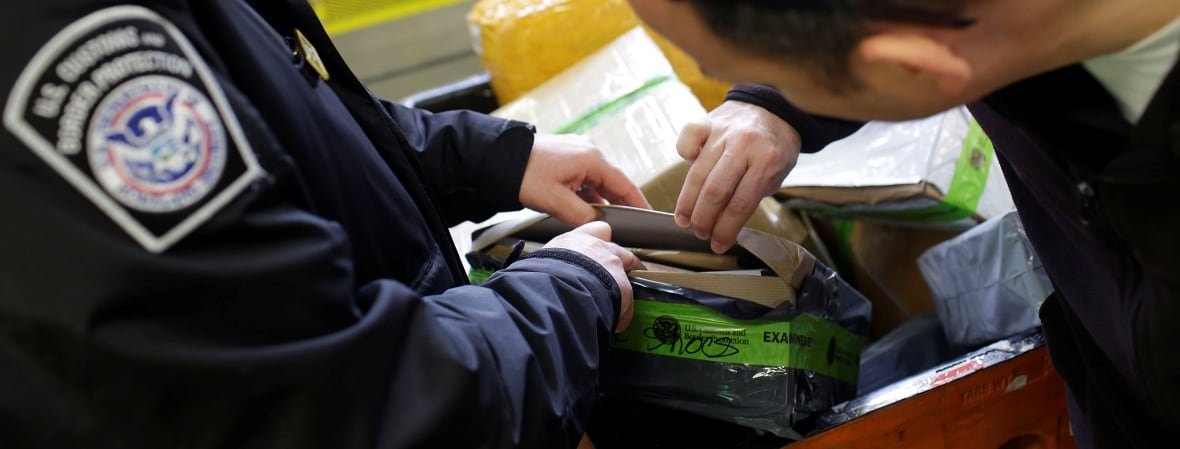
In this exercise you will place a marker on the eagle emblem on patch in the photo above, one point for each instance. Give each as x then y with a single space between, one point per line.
156 144
122 106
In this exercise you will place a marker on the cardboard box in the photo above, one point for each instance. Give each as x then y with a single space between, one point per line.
655 238
937 172
757 336
881 261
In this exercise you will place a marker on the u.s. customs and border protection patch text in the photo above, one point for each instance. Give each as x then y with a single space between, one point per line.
121 105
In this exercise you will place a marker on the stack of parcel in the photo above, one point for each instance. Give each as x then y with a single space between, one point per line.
889 273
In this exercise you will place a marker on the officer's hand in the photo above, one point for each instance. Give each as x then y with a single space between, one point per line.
593 240
739 154
565 173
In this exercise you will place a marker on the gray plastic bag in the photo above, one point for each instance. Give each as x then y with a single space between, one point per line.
987 283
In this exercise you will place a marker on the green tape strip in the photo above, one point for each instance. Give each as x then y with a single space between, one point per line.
842 243
597 114
843 230
699 333
971 171
479 275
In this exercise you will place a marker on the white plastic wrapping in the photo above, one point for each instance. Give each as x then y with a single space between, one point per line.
643 105
987 283
904 172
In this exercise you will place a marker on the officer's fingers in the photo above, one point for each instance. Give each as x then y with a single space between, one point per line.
692 138
591 196
593 240
597 229
617 261
616 187
741 207
629 259
565 205
716 193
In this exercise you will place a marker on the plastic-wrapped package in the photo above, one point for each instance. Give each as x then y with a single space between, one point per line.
739 362
987 283
757 365
625 97
523 43
938 171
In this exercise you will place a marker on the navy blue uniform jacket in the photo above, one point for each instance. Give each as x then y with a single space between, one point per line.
1098 198
208 244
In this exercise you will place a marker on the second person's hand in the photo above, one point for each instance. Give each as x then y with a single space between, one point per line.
739 154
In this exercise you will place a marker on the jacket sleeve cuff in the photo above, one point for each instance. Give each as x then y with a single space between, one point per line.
815 132
579 260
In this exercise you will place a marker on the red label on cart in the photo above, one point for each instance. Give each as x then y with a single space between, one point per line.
956 372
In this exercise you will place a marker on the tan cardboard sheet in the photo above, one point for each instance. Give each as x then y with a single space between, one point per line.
657 233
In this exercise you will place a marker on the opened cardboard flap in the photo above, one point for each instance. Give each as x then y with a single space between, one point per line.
870 195
655 230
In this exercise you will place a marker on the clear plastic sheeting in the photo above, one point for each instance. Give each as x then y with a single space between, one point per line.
987 283
625 97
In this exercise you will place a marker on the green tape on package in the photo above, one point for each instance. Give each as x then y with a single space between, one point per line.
971 171
697 332
597 114
967 184
479 275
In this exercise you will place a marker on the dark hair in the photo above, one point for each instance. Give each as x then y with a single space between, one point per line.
820 34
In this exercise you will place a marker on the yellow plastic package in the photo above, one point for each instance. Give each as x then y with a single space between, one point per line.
523 43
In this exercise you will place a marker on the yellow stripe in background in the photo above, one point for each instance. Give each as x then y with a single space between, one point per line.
343 16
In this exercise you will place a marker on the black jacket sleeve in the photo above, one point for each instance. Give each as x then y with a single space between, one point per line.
473 162
815 131
251 334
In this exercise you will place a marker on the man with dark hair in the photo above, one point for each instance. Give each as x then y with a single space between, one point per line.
1082 101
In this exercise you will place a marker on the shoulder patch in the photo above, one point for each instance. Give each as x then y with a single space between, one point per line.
120 104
